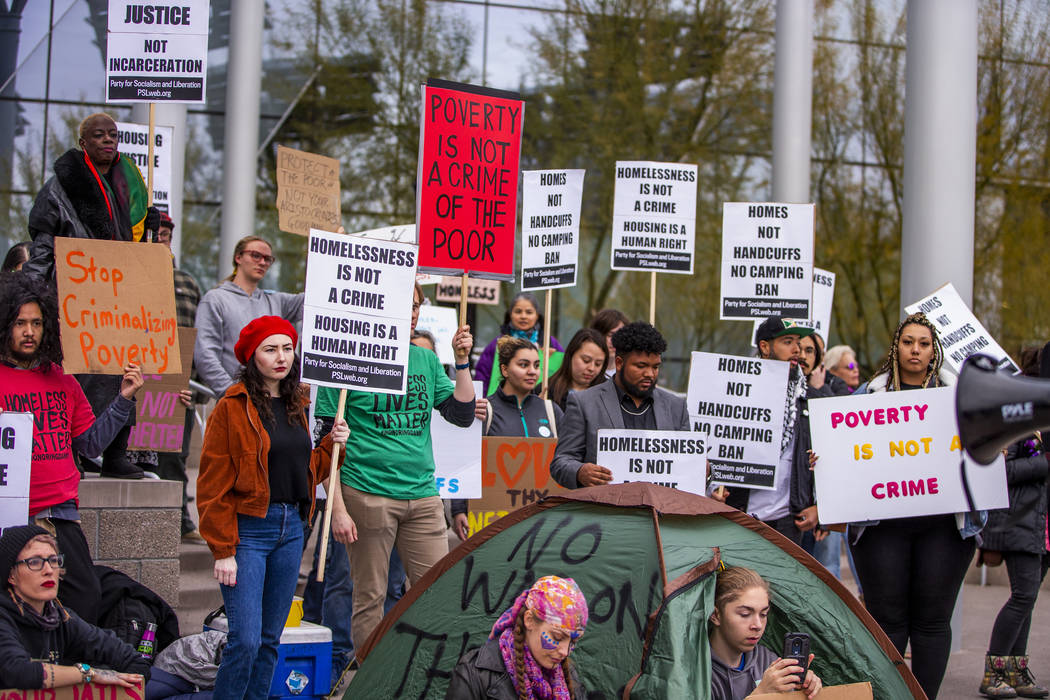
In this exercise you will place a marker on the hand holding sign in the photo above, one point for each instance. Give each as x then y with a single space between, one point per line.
590 474
131 382
462 342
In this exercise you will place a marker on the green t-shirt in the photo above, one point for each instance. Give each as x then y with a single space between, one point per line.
389 452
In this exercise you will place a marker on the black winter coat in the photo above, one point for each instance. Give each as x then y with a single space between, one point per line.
481 675
25 645
1022 526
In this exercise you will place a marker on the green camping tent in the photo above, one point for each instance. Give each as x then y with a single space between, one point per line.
645 556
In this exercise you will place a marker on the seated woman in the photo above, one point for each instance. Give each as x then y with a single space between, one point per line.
527 653
739 665
42 644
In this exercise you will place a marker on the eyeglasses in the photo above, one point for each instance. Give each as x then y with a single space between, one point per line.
259 257
851 365
37 563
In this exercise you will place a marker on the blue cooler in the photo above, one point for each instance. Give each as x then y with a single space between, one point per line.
304 660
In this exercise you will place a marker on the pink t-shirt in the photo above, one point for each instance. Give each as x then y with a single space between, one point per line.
61 412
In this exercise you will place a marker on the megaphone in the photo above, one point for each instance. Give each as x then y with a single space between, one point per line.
994 409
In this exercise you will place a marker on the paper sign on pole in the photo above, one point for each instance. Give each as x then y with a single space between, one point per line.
550 227
457 458
961 333
673 458
442 322
357 312
823 297
767 260
515 473
479 291
654 217
738 403
157 52
112 309
160 417
307 192
469 149
16 454
134 144
895 454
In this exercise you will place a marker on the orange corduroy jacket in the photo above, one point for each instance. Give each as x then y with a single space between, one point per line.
234 476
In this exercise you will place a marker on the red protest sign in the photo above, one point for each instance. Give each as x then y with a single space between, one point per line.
469 158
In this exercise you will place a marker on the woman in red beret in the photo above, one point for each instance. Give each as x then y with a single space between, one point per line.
256 485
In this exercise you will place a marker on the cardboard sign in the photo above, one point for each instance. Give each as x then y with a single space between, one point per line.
157 52
112 311
469 150
81 691
160 417
550 227
441 322
850 691
515 472
895 454
654 217
307 192
457 458
479 291
673 458
738 403
961 333
767 260
134 144
823 297
357 312
16 454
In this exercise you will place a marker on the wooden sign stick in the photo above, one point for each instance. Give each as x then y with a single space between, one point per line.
652 299
463 300
333 483
546 343
149 156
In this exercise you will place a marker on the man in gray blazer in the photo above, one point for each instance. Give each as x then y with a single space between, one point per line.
630 401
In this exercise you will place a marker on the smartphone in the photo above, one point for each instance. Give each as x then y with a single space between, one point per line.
796 646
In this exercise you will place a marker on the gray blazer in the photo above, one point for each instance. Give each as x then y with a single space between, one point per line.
599 407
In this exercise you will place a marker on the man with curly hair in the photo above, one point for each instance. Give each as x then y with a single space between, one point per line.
32 381
631 401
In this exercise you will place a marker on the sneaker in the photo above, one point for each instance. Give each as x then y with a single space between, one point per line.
121 468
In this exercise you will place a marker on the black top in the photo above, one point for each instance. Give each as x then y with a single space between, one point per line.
289 459
635 417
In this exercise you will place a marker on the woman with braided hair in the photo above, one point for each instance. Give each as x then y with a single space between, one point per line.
527 653
911 569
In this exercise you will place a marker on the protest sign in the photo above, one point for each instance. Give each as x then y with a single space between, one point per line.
823 297
157 52
961 333
442 323
469 150
357 314
112 310
16 453
307 192
404 233
676 459
160 417
738 403
550 227
895 454
654 217
80 691
479 291
134 144
515 472
457 458
767 260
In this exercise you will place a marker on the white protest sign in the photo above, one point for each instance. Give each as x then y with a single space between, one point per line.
157 51
357 314
654 217
16 454
823 297
405 233
441 322
767 260
457 455
550 227
961 333
738 403
895 454
673 458
134 144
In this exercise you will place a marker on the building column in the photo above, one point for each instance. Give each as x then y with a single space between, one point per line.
792 101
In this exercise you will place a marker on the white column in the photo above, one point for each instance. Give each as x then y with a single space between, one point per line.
940 148
792 100
243 82
173 115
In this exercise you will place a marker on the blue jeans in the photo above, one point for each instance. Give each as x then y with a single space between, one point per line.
268 557
829 553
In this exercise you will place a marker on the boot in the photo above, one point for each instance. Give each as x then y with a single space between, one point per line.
994 683
1022 680
115 462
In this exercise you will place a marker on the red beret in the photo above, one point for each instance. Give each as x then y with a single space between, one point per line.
259 330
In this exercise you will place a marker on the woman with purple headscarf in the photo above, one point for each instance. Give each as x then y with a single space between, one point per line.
527 653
